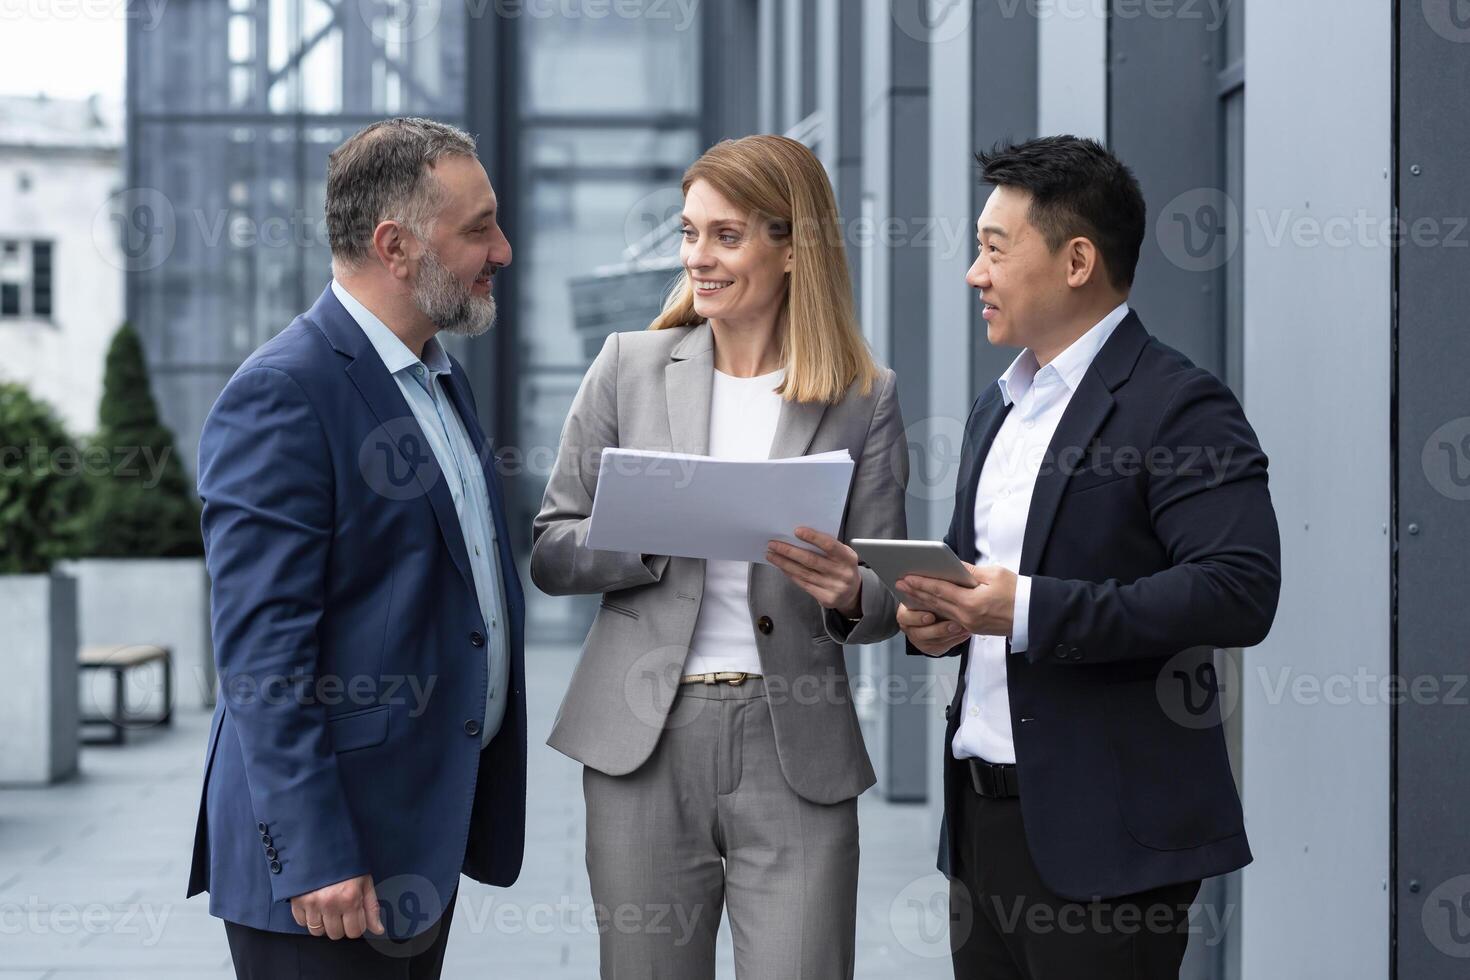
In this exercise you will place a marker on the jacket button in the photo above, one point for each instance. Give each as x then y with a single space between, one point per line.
477 638
948 711
261 827
765 625
266 840
271 853
275 867
472 727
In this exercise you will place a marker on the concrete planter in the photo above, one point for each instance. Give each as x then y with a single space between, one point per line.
38 697
163 601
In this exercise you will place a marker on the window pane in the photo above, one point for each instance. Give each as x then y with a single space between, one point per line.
9 299
649 48
41 279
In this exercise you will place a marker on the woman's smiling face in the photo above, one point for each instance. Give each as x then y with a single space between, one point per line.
735 264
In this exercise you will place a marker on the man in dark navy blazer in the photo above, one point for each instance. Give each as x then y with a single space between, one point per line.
1113 507
369 744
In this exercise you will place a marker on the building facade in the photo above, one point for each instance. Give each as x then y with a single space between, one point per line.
61 260
1303 167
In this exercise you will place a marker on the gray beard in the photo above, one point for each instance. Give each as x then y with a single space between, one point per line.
448 303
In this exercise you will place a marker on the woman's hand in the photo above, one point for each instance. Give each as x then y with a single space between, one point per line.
830 577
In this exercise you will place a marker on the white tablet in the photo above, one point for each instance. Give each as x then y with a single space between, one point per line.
893 559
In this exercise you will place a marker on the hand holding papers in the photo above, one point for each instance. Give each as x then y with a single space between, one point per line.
688 506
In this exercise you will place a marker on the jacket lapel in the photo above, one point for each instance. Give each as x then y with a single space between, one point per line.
796 428
397 426
990 411
484 452
1090 406
688 384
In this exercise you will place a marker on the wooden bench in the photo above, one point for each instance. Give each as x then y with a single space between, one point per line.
119 659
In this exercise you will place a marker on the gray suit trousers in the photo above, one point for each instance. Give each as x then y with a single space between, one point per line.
710 821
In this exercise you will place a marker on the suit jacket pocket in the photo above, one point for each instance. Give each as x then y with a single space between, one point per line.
358 729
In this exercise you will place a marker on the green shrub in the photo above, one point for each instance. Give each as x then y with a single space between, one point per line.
43 492
142 503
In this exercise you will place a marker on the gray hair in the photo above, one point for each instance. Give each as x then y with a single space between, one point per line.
383 174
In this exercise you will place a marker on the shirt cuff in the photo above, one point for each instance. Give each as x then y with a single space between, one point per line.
1021 615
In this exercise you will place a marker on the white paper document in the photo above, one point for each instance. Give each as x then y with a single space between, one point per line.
656 503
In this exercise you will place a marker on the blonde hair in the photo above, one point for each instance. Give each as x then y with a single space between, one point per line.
783 184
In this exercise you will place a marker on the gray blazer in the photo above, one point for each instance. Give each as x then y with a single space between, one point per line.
651 390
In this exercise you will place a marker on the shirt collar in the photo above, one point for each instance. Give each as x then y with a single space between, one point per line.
1069 366
394 352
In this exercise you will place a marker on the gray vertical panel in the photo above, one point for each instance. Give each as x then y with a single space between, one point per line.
1315 903
1005 48
1433 486
492 74
1163 122
729 71
896 182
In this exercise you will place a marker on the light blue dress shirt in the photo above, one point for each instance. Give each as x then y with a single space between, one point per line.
423 388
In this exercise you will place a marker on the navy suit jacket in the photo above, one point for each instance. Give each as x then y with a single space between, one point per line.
349 642
1151 540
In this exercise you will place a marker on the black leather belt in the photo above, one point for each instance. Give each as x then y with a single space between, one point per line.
993 779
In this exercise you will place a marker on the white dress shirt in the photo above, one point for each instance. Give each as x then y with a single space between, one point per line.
743 416
1039 397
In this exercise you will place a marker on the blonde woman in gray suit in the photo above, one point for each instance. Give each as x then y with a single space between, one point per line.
711 708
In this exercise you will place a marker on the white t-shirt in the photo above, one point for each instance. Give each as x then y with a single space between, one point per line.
743 415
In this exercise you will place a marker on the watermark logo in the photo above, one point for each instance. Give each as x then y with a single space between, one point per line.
1446 459
649 230
1198 689
925 921
1450 19
396 460
135 229
1446 917
1199 231
400 21
932 21
406 904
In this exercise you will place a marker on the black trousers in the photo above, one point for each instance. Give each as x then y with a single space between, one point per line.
1005 924
262 955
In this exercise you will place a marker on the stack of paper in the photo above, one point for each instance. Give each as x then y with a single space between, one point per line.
656 503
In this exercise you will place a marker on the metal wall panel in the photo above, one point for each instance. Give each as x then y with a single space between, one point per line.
1432 854
1315 902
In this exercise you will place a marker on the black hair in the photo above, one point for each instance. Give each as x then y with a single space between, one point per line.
1078 189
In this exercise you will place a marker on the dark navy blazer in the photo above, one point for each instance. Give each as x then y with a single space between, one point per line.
349 642
1151 540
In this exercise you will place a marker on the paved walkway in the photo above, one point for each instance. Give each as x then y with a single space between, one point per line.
93 872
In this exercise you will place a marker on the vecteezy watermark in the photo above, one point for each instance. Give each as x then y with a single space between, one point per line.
937 21
147 462
38 917
1446 917
1446 459
147 12
1200 230
1450 19
135 229
681 12
1200 690
930 453
1206 920
924 919
1199 687
932 21
412 914
396 460
330 690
